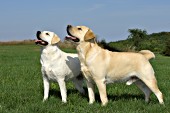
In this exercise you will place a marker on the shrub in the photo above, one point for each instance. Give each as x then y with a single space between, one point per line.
167 49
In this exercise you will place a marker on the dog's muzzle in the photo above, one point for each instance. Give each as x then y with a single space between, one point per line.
39 40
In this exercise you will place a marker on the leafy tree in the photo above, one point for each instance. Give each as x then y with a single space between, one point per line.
137 35
167 49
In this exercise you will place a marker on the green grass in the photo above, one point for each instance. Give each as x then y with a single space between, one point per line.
21 88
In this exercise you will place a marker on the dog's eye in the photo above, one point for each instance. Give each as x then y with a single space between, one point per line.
79 29
47 33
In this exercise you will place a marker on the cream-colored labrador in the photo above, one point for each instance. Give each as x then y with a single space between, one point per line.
57 65
103 66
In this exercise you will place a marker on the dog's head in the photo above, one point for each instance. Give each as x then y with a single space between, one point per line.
79 33
46 38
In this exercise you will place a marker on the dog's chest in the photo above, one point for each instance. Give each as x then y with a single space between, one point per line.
54 65
81 54
55 70
86 56
48 59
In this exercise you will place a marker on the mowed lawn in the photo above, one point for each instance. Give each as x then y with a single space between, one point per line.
21 88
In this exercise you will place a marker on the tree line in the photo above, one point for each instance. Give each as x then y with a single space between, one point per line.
139 40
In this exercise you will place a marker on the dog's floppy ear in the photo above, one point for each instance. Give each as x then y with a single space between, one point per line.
55 39
89 35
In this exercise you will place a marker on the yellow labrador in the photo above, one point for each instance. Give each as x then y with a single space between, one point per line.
103 66
57 65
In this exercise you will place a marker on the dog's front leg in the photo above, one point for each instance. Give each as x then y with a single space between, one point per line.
46 87
89 82
102 90
63 90
91 94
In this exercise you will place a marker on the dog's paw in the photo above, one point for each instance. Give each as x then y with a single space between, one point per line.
45 99
103 104
64 101
91 102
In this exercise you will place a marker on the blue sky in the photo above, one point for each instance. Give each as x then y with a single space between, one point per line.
109 19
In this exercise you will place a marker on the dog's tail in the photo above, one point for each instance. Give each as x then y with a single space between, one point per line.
148 54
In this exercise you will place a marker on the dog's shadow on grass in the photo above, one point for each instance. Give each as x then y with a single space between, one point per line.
56 93
114 97
125 96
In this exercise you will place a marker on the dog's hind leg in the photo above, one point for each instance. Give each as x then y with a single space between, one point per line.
152 84
63 90
144 88
78 82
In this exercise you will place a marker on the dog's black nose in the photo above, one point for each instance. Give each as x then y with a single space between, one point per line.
68 26
38 33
